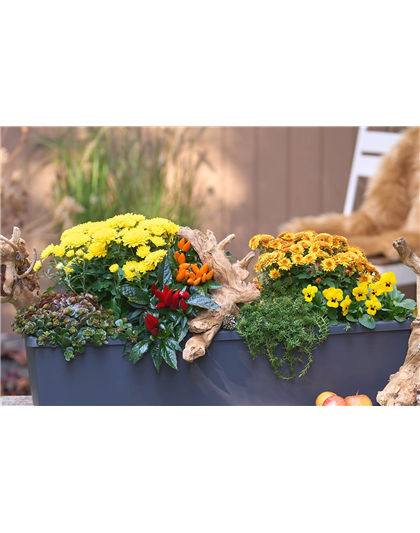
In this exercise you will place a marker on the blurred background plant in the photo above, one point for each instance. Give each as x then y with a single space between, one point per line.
102 172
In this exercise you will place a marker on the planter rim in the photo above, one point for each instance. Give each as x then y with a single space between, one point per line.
225 335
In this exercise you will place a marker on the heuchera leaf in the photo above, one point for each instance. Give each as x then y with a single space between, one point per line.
135 294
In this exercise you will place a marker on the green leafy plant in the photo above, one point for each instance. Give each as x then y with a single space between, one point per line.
140 270
109 171
282 317
70 321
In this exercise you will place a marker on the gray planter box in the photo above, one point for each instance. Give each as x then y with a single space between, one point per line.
227 375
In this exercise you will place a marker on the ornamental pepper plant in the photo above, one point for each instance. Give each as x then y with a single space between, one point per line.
140 270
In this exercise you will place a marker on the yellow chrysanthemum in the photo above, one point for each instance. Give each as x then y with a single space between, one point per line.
47 251
135 237
259 239
75 240
59 250
365 277
130 270
310 258
157 241
360 292
328 265
268 259
357 250
37 266
154 258
372 306
80 253
70 253
298 259
303 237
143 251
105 235
97 249
286 236
274 273
338 241
297 248
310 292
324 237
343 259
285 264
114 268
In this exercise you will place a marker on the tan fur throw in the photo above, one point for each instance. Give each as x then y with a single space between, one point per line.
390 208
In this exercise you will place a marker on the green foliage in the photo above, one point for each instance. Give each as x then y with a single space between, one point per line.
70 321
283 317
110 171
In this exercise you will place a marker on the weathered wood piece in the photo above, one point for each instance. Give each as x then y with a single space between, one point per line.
234 291
404 386
19 283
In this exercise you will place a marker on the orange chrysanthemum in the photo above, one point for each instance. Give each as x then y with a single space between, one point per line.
285 264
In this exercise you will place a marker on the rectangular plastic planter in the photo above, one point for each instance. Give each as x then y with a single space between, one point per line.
227 375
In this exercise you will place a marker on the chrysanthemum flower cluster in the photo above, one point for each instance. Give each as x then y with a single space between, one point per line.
311 252
130 242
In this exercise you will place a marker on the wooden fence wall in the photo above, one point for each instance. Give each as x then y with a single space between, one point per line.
259 177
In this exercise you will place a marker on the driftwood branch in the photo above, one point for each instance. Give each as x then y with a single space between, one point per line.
234 291
19 283
404 386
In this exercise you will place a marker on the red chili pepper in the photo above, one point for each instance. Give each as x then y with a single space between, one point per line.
155 331
152 319
183 305
161 305
153 291
174 303
160 296
184 294
168 297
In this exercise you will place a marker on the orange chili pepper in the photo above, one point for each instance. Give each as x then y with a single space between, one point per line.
204 278
190 281
176 255
195 268
184 265
203 269
180 277
176 272
197 281
186 246
210 274
181 244
192 275
181 259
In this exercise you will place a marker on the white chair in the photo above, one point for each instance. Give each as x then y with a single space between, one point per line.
370 147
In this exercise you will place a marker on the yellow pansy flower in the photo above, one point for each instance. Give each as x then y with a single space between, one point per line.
360 292
333 296
345 304
309 292
372 306
388 279
376 289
